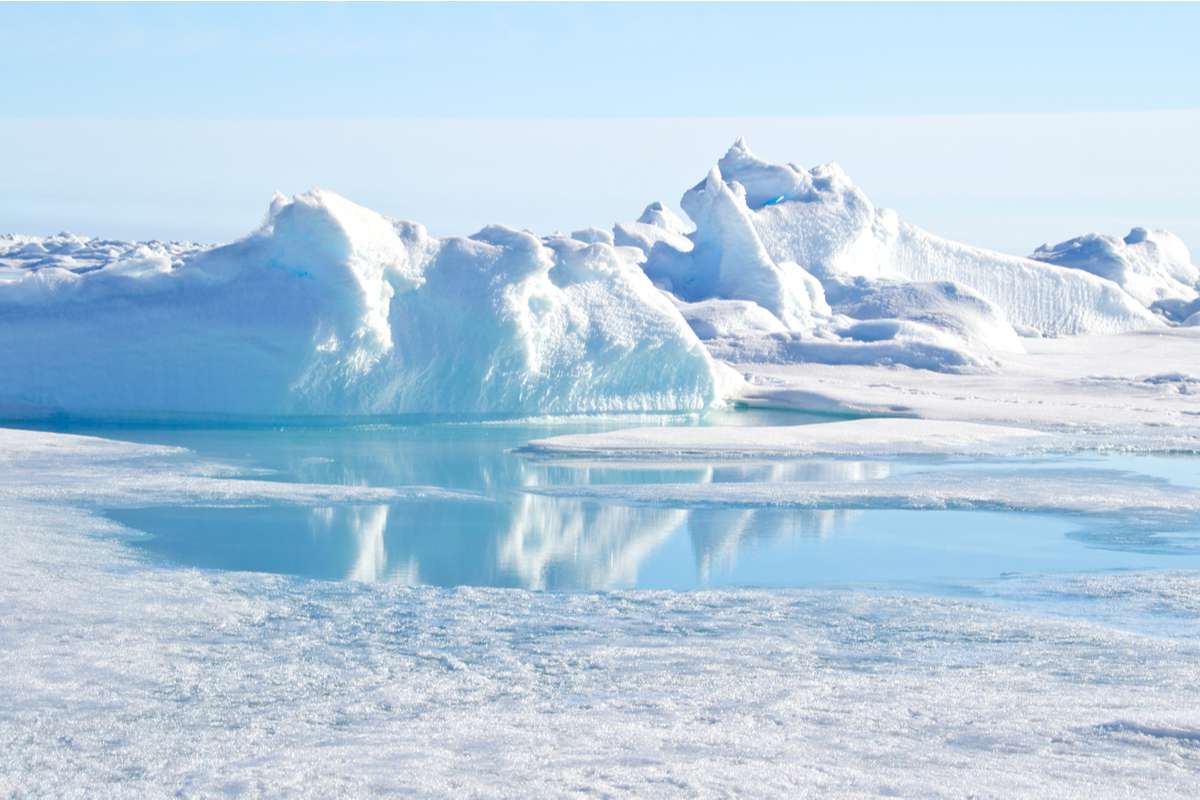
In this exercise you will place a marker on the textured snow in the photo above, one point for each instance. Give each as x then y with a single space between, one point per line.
20 255
331 308
945 308
943 327
124 679
860 437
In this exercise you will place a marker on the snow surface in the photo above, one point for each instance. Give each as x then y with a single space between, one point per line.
126 679
20 255
1136 391
330 308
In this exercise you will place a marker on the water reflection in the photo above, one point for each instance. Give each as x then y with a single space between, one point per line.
369 525
549 543
718 536
535 541
521 539
557 543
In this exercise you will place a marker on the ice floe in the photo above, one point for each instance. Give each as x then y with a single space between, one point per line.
1135 391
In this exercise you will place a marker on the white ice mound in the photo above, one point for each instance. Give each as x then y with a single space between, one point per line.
728 259
943 306
754 278
775 234
723 257
1153 266
331 308
656 224
943 327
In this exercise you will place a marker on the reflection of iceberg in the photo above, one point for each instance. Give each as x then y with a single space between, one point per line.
363 529
718 534
542 541
788 471
369 525
563 543
556 542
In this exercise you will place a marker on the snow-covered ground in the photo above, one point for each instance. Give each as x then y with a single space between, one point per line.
121 678
1138 391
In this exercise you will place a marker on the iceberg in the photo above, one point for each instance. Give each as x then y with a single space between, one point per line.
841 281
330 308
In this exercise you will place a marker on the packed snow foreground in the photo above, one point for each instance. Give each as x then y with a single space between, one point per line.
330 308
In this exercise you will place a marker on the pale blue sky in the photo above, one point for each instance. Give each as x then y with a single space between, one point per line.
179 120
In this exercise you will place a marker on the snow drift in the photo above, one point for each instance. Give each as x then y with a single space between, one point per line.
331 308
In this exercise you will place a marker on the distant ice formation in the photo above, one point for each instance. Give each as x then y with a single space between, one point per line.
330 308
1153 267
841 281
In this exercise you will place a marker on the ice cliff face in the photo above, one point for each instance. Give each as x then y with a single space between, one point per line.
330 308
